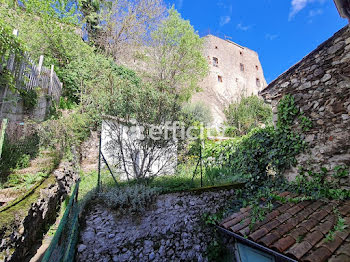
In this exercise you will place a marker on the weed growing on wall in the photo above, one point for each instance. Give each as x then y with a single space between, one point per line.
129 199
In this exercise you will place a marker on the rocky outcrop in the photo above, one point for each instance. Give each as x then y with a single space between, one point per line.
172 230
320 84
23 224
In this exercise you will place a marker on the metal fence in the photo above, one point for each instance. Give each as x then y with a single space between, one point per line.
62 247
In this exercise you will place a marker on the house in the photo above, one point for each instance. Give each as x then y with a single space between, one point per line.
235 71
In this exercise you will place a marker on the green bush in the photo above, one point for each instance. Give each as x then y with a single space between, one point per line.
17 155
260 153
251 112
129 199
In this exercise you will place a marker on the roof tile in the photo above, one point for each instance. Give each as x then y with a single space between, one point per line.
319 255
284 243
344 210
284 228
319 215
284 217
314 237
235 220
344 249
340 258
309 224
333 244
245 222
270 238
325 227
258 234
298 232
271 225
299 249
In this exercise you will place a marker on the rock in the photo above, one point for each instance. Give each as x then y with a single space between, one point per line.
325 78
151 256
81 248
333 49
345 116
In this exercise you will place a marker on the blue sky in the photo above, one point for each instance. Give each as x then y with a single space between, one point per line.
281 31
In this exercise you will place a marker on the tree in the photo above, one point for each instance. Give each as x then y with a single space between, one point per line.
127 25
249 113
175 57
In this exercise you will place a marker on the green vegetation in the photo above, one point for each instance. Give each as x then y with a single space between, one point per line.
242 117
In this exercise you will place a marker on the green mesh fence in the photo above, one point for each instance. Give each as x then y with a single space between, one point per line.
62 247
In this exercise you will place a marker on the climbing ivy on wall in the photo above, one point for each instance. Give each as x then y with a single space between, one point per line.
263 152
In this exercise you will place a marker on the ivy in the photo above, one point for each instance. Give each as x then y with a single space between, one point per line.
29 98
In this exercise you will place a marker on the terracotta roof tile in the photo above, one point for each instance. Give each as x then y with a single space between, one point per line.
333 244
285 228
315 205
343 234
258 234
284 243
245 231
319 255
319 215
325 227
299 249
270 238
344 210
344 249
298 230
314 237
242 224
235 220
284 217
309 223
340 258
271 225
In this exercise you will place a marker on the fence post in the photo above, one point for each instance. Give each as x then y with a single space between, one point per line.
99 164
51 79
41 61
2 134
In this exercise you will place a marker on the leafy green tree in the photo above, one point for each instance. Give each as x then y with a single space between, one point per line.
249 113
175 60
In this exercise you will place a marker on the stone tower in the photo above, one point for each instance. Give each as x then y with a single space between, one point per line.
234 71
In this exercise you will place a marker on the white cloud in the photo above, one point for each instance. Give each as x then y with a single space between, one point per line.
225 20
271 37
242 27
298 5
315 12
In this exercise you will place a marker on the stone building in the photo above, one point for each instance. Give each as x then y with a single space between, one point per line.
234 71
320 84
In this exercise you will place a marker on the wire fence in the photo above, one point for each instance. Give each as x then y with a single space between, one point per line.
62 247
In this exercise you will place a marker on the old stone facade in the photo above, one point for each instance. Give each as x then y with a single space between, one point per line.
235 71
172 230
320 84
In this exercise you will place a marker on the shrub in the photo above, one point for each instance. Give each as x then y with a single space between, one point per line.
129 199
249 113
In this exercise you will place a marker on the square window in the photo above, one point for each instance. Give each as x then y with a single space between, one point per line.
216 47
220 79
242 67
215 62
257 68
240 52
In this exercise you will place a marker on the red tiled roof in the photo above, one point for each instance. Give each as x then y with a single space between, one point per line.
298 230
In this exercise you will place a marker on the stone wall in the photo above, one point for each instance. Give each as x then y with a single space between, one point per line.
172 230
23 224
235 83
320 84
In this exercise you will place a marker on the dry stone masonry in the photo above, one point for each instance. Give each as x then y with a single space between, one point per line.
320 84
172 230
